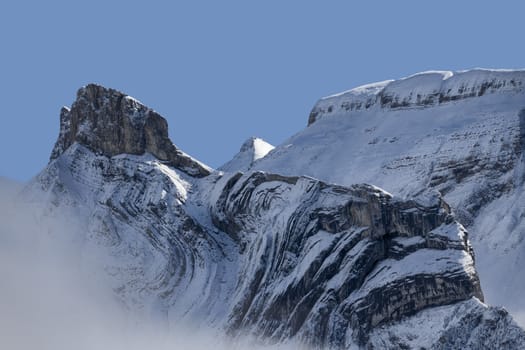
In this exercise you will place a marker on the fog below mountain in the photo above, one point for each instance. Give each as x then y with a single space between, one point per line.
52 299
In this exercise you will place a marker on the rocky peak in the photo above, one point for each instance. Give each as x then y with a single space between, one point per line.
110 123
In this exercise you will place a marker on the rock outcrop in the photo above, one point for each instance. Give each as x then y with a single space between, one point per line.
323 261
111 123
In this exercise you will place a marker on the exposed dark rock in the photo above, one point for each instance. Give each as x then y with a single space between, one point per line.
111 123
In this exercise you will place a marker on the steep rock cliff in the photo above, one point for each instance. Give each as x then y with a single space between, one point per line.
323 261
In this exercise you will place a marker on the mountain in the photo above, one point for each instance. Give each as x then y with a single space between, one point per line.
273 254
460 133
251 150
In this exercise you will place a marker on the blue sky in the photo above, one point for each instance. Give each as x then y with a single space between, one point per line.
222 71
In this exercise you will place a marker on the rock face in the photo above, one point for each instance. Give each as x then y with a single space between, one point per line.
326 261
134 213
111 123
468 325
275 256
469 147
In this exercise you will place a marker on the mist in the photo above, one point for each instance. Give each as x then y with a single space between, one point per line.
51 299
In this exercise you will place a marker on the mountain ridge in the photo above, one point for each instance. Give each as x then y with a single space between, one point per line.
469 149
266 252
421 90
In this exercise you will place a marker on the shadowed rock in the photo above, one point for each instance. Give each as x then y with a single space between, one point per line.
325 258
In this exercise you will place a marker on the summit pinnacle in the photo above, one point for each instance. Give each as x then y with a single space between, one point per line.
111 123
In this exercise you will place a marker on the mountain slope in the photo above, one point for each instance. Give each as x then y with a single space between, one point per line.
251 151
460 133
277 257
326 261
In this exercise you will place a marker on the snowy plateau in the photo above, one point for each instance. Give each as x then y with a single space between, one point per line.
394 220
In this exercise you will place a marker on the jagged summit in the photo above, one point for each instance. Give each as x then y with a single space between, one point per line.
421 90
110 122
251 150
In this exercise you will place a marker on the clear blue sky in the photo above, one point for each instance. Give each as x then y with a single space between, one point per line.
221 71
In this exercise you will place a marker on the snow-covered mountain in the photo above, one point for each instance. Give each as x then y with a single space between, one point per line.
459 133
279 255
251 150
